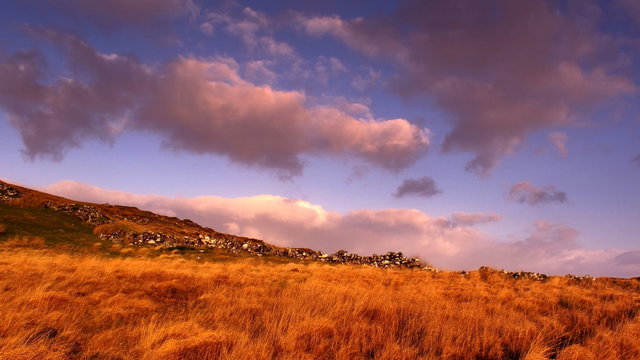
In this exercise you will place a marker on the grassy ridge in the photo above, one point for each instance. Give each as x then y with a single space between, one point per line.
62 306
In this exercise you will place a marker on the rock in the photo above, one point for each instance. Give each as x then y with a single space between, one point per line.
87 213
430 268
517 275
579 278
7 193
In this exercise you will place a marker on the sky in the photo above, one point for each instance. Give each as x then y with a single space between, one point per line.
501 133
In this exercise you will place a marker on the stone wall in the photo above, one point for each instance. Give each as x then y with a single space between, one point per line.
87 213
199 236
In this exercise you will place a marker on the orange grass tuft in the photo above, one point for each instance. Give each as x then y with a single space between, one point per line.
23 242
62 306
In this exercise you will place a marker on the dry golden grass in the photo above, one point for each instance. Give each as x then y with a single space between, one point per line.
25 202
23 242
60 306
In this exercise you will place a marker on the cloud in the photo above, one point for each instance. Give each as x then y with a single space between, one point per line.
525 192
366 81
471 219
553 249
357 172
467 58
559 140
254 28
636 159
248 26
446 242
54 115
112 14
323 25
200 106
424 187
207 28
629 8
258 70
631 257
325 68
358 34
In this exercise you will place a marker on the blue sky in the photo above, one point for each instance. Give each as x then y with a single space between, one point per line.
514 136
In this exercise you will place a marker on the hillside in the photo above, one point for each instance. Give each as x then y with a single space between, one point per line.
27 212
85 281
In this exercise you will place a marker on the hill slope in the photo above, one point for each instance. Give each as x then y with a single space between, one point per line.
72 304
30 212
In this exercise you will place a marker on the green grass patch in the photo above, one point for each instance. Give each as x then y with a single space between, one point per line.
55 228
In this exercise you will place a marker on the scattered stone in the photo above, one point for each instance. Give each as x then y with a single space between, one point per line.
7 193
579 278
235 244
430 268
516 275
87 213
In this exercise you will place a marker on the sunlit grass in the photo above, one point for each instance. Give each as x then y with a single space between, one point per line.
62 306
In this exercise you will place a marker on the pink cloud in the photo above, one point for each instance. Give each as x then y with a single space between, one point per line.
559 140
356 33
525 192
500 70
366 81
471 219
629 8
323 25
424 187
207 28
554 249
326 68
258 70
449 242
201 106
254 28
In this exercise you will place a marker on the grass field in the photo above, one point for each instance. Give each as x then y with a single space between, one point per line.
68 294
57 305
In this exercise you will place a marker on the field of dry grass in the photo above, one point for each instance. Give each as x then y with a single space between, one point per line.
63 306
